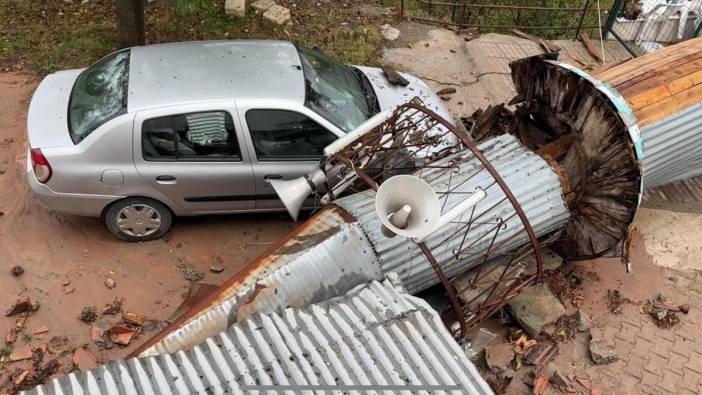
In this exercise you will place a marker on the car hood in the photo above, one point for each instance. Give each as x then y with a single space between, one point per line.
47 118
391 96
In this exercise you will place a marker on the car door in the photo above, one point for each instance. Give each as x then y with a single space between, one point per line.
285 144
195 155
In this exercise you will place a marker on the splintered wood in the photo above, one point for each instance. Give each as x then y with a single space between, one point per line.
661 83
572 125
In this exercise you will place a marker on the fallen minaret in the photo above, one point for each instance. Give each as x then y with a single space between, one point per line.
526 203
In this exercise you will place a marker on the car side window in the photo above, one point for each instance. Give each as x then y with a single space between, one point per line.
286 135
194 136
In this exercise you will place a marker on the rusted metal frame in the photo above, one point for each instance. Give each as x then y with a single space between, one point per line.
401 158
460 230
495 175
359 171
500 223
511 292
450 292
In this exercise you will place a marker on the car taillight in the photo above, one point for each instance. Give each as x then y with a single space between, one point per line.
41 166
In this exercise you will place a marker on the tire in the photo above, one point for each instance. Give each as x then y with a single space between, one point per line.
135 219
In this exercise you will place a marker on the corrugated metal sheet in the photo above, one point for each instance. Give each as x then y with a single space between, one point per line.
678 193
533 182
376 337
325 258
673 147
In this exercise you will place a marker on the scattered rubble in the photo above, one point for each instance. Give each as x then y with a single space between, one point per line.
277 14
20 354
499 356
389 33
541 354
110 283
20 306
17 271
88 314
540 384
582 320
601 349
192 275
41 329
563 384
216 268
262 5
535 308
122 334
615 300
113 308
235 7
664 315
134 319
10 336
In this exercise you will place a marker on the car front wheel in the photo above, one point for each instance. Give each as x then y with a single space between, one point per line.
138 219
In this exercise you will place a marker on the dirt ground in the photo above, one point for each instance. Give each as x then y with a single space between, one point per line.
54 249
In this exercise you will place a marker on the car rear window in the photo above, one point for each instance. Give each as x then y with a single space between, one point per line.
98 95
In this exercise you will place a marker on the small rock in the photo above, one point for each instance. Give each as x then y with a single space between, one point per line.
120 334
583 320
216 268
192 275
17 271
262 5
601 350
113 308
20 306
235 7
560 382
445 97
69 290
88 314
110 283
499 355
277 14
66 283
389 33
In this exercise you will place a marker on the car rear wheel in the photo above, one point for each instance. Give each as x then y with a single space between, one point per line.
138 219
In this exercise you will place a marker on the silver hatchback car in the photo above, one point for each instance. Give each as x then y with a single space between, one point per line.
149 133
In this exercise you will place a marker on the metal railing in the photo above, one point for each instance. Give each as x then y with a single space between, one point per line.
565 20
645 27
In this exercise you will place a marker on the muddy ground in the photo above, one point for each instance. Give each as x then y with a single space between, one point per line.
55 250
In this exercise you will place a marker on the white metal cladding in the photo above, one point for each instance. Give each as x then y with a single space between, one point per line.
533 182
376 336
326 259
673 147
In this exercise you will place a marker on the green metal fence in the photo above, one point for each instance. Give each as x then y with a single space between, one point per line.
643 27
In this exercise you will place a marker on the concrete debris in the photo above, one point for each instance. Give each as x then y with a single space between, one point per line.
561 382
277 14
20 306
536 307
601 349
446 91
235 7
88 314
615 300
17 271
499 356
540 384
582 320
389 33
542 353
192 275
262 5
110 283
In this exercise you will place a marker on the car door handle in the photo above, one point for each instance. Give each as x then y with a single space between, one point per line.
272 177
165 179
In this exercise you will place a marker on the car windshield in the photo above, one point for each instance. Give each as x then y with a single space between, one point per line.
335 91
98 95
